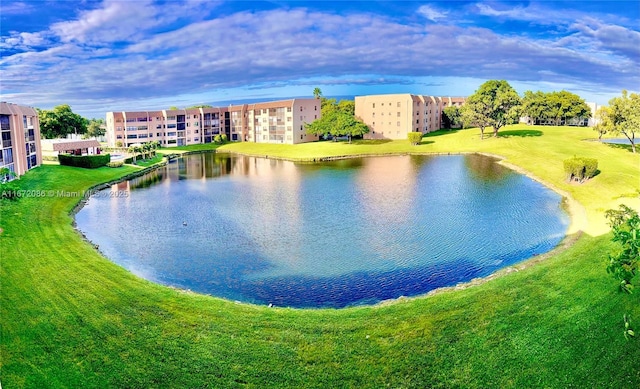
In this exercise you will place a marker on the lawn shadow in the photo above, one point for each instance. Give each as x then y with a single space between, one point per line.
520 133
620 146
425 142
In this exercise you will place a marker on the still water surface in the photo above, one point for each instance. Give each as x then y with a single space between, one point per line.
329 234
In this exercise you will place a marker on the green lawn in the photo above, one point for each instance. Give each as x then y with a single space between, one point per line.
150 161
71 318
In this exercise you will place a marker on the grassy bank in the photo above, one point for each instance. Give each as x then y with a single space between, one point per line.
71 318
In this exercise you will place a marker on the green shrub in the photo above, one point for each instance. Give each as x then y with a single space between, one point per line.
9 190
414 137
116 163
223 138
580 169
84 161
590 167
217 138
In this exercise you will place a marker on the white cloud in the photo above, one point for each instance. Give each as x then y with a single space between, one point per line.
283 47
432 13
18 8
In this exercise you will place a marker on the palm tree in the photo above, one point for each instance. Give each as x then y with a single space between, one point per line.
146 149
317 92
152 148
134 150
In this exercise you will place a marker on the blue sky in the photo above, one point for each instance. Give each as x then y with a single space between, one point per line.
111 55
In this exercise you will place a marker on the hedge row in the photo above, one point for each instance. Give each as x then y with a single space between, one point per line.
580 169
85 161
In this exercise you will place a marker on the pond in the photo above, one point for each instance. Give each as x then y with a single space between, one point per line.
330 234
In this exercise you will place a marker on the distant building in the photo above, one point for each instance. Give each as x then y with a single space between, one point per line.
392 116
592 121
20 130
266 122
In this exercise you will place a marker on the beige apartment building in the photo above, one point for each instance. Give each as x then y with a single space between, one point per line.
20 129
392 116
266 122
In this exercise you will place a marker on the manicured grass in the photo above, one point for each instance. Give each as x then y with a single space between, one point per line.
198 147
71 318
150 161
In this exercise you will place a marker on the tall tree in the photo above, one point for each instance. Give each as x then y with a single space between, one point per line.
337 120
564 105
602 121
557 107
347 106
95 128
534 106
451 116
317 92
624 116
475 113
495 103
60 121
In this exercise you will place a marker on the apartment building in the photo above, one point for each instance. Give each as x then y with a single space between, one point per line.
266 122
20 130
282 121
392 116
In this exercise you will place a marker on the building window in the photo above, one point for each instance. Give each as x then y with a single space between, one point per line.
398 104
374 105
398 113
398 124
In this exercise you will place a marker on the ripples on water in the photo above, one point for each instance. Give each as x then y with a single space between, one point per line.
333 234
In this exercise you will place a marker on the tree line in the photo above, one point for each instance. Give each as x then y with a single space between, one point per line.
496 104
62 121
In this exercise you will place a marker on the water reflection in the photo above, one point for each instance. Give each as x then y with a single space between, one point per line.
327 234
485 168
